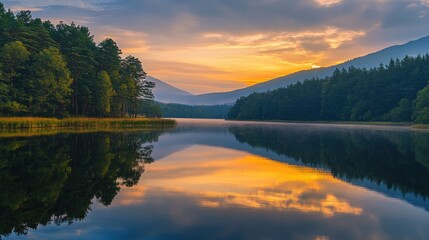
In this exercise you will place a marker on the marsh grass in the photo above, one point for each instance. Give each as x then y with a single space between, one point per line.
421 126
36 132
14 123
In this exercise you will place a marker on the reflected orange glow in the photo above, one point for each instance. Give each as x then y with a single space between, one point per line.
132 196
244 180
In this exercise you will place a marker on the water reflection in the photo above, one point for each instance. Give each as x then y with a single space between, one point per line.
240 179
398 160
53 179
217 180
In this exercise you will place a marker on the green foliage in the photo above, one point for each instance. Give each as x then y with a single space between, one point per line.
55 179
79 50
397 160
421 109
13 57
150 109
103 94
109 57
172 110
402 112
50 85
16 123
133 88
297 102
385 93
33 83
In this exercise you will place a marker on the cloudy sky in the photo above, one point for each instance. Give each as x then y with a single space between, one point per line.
219 45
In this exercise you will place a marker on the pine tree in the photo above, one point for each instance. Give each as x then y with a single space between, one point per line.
103 94
50 85
421 109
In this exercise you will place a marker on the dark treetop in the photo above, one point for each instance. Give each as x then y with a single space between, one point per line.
398 92
48 70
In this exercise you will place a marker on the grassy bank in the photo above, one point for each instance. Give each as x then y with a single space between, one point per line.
421 126
103 123
36 132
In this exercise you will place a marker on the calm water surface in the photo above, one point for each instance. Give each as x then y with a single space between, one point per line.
209 179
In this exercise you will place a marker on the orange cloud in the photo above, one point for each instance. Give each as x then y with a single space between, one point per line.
243 180
217 61
249 41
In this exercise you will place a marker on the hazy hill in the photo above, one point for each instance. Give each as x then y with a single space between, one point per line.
413 48
166 93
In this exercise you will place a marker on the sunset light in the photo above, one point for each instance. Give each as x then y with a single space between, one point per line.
214 119
217 47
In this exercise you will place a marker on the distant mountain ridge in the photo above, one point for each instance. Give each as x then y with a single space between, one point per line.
413 48
167 93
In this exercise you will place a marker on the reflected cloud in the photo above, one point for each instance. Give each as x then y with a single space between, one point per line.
136 196
329 206
239 179
208 183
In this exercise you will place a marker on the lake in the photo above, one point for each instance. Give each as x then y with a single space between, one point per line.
212 179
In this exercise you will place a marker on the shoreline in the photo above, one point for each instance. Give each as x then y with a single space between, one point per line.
420 126
25 123
411 125
401 124
37 132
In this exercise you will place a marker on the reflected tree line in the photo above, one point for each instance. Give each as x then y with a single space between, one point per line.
54 179
400 160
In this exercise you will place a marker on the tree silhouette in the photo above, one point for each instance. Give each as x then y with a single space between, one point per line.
53 179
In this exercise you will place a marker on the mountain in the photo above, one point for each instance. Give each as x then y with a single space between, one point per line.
413 48
166 93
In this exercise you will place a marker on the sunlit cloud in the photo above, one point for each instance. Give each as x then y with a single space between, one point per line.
18 8
328 3
246 42
133 43
242 180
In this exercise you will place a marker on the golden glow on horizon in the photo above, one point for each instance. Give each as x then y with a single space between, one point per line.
224 48
240 179
218 61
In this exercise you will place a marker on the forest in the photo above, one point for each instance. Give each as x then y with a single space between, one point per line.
187 111
58 70
397 92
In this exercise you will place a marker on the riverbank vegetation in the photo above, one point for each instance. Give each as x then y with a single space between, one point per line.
398 92
101 123
421 126
49 70
187 111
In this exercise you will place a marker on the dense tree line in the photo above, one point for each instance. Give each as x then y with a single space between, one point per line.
399 160
396 92
59 70
174 110
55 179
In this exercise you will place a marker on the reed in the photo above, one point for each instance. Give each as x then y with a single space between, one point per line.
12 123
37 132
421 126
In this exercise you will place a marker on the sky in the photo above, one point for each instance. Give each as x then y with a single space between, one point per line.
222 45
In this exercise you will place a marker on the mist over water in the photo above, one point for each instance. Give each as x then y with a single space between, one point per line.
213 179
